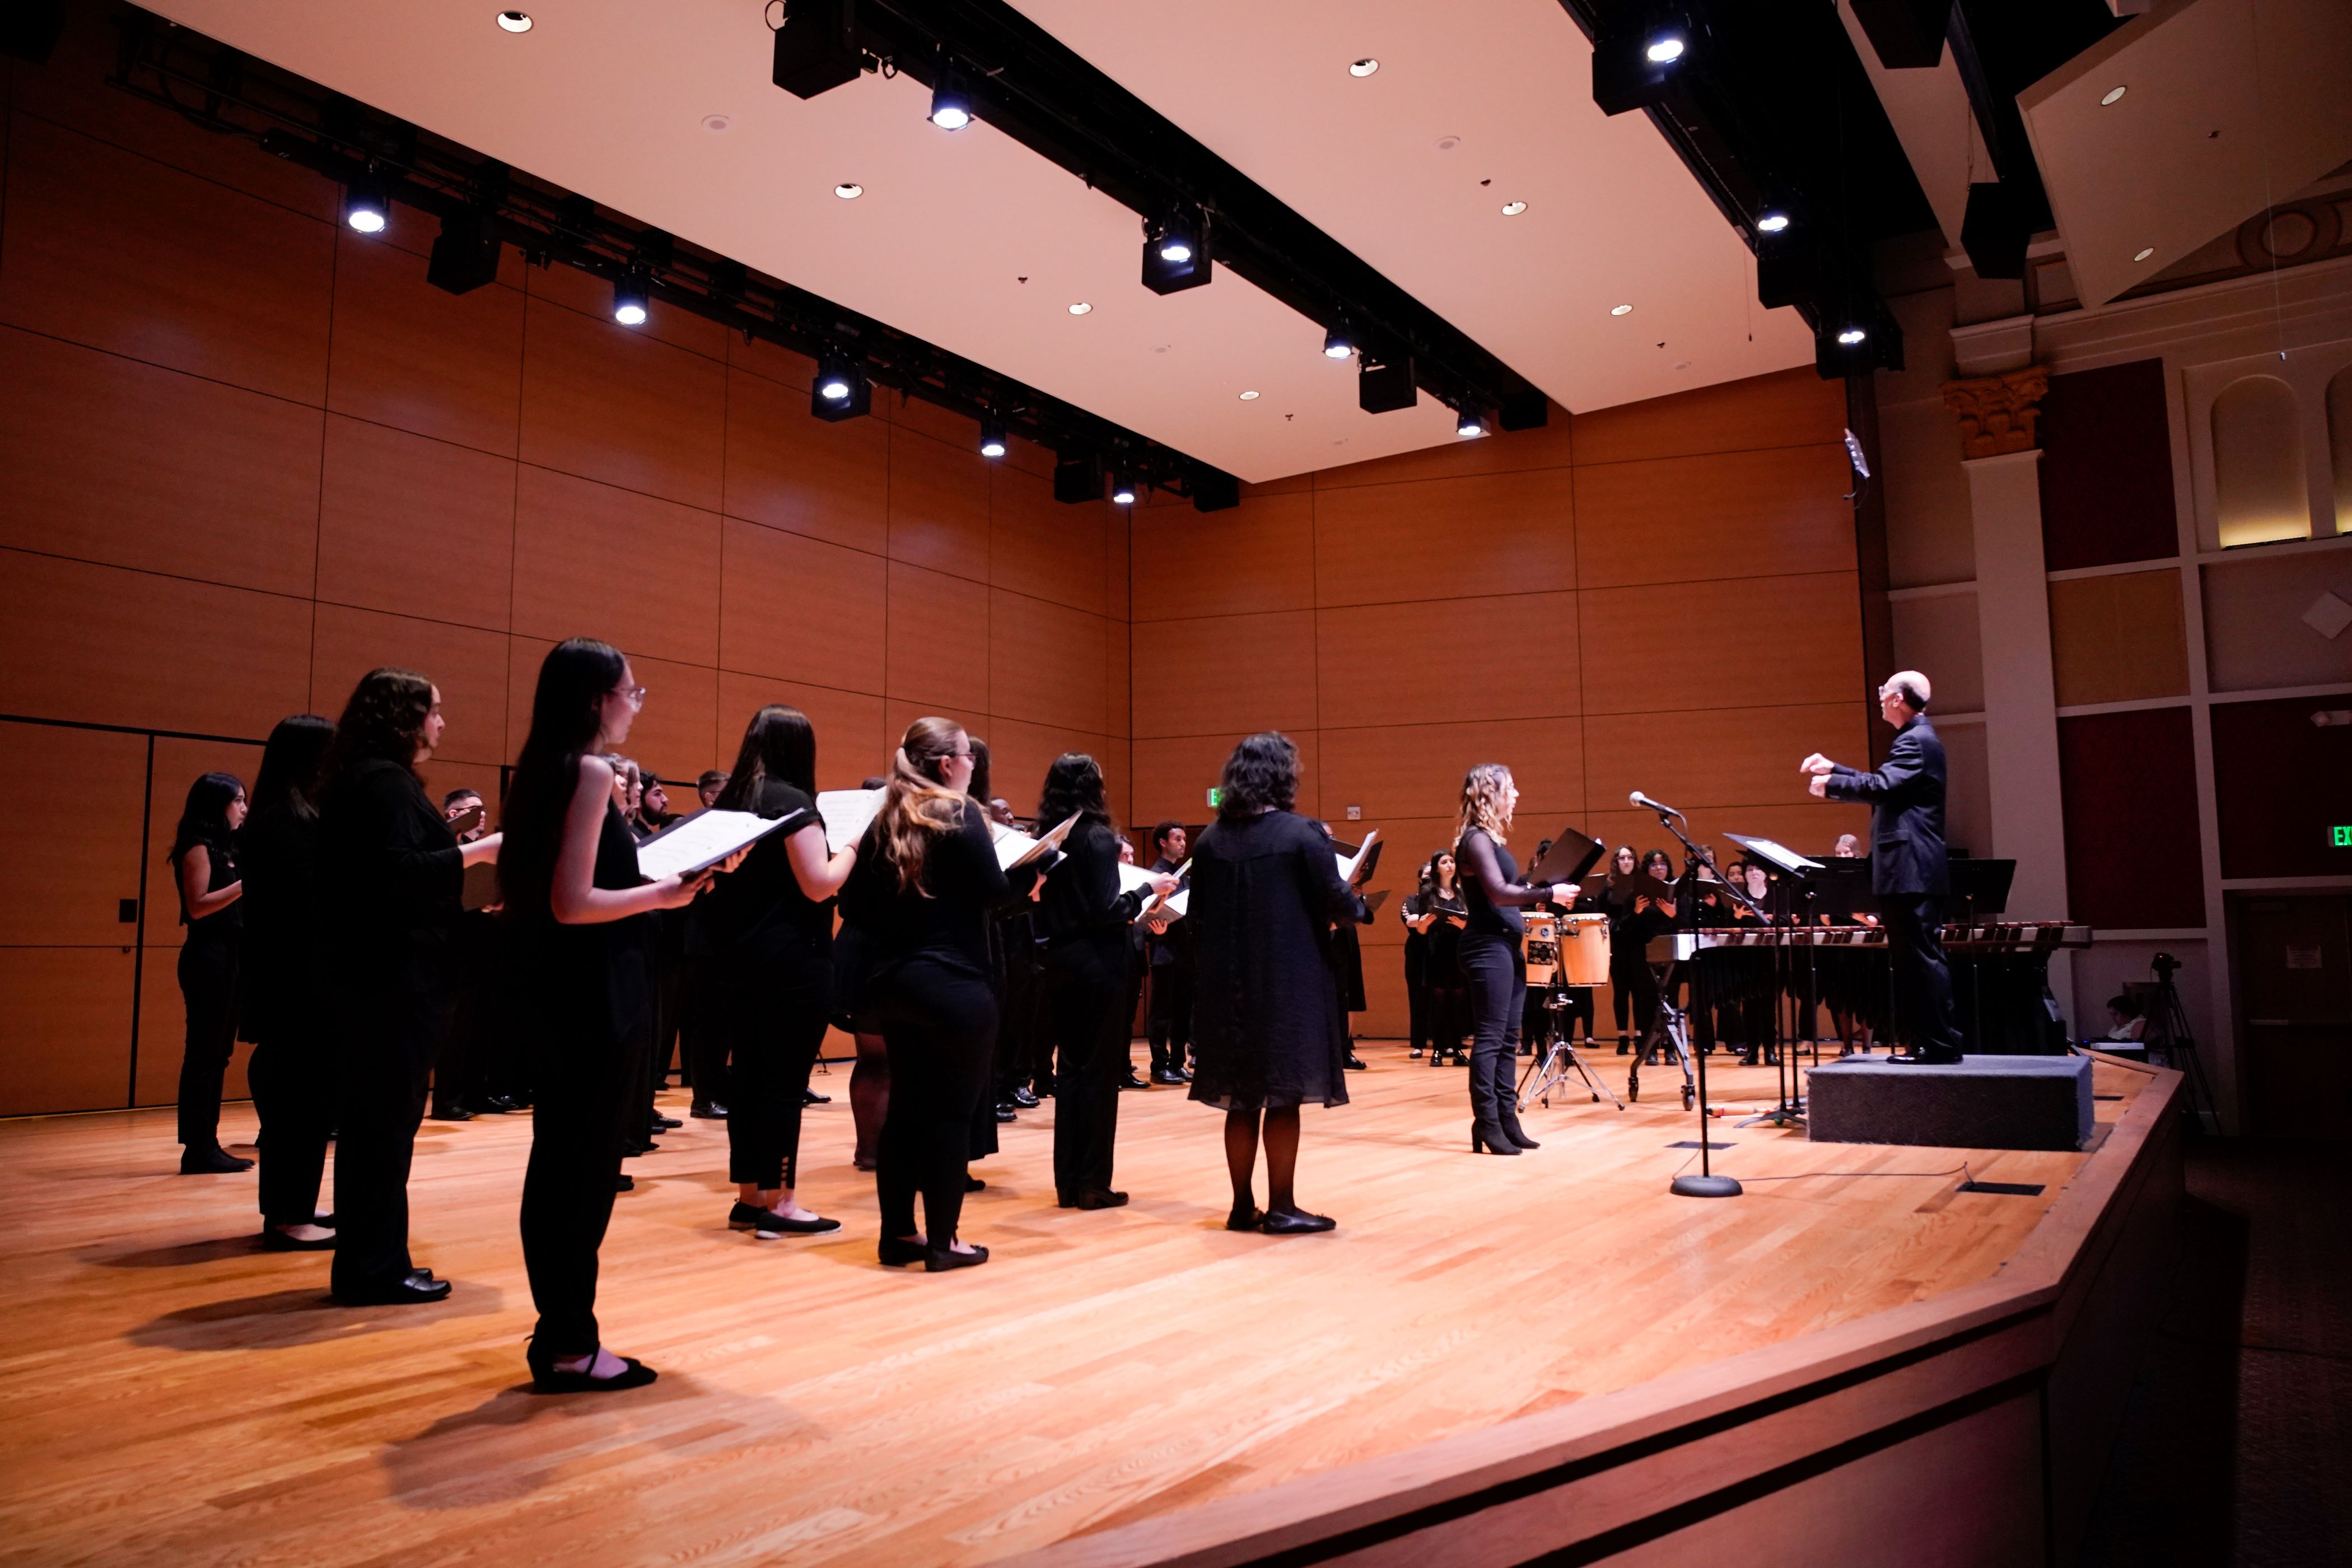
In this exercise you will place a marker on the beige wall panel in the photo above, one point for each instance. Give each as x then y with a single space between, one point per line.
801 608
1791 408
1044 663
788 470
1520 451
595 561
2255 632
936 621
1744 757
109 647
68 1029
61 885
422 359
1810 829
467 664
850 728
1943 637
938 506
1483 533
678 734
2119 639
1172 776
606 404
1734 514
1039 547
592 296
1253 558
108 460
1934 540
1799 640
416 527
1968 791
1448 661
1415 770
1225 675
112 250
1119 654
1019 754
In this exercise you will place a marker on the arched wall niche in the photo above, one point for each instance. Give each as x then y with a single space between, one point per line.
2259 477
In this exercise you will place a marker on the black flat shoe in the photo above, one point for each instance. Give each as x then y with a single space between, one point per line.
811 1097
1278 1223
276 1240
1168 1076
707 1110
1355 1062
897 1252
452 1113
974 1184
212 1161
1243 1218
625 1182
940 1259
410 1291
667 1124
1025 1097
545 1379
767 1222
1094 1198
1133 1082
1006 1113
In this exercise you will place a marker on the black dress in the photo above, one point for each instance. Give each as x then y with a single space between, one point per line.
1085 920
390 881
284 1017
588 997
762 956
208 984
1269 1031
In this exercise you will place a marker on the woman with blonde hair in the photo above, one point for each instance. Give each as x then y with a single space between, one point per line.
926 877
1494 971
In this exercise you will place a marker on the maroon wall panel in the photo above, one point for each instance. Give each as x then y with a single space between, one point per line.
2130 783
2107 468
2281 785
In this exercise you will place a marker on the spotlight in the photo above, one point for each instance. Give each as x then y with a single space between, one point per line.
1336 344
991 437
951 110
1772 220
1176 251
515 21
839 392
629 299
366 207
1856 334
1852 335
1122 491
1664 50
1468 424
1636 67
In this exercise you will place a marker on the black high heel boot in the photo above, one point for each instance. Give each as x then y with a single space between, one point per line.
1488 1137
1512 1130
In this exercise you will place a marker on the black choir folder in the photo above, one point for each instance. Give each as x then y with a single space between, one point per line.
1571 855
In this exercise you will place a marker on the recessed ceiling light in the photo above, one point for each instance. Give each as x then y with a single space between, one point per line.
717 122
2112 93
2143 253
1448 143
514 21
1080 309
1512 209
1364 67
1620 310
849 190
1249 397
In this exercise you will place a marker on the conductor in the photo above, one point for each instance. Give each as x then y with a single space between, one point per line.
1907 867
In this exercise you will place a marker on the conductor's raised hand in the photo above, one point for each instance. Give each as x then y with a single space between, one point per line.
1818 786
1817 765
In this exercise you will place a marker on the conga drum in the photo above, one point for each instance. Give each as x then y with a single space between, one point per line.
1583 949
1542 947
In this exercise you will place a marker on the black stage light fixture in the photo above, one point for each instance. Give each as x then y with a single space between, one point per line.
367 207
839 391
1123 490
1337 345
1176 251
1907 33
1077 479
1384 382
816 47
1213 490
950 105
1855 336
991 437
1469 422
1634 66
1995 230
466 255
629 298
30 29
1529 410
1787 272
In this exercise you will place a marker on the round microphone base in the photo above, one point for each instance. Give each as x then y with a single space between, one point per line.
1705 1187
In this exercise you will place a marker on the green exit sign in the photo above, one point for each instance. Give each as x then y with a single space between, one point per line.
2341 837
1216 796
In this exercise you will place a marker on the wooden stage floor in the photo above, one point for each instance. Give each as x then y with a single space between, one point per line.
171 1394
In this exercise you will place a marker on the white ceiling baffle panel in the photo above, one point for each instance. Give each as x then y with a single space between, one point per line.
607 97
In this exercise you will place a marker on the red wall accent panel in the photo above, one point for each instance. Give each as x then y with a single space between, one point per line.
2107 468
2130 783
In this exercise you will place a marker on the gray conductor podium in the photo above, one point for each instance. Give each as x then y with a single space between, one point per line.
1977 1102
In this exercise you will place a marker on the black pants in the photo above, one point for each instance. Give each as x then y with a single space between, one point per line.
294 1094
1497 982
208 985
1416 990
1172 1014
1632 988
587 1111
1086 988
939 1020
381 1103
775 1021
703 1045
1923 982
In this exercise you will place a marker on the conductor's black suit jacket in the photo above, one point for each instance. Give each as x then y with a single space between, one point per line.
1906 812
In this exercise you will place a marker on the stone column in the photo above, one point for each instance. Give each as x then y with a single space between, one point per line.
1997 417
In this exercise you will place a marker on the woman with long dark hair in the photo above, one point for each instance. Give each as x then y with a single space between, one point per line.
1433 917
390 881
1633 992
926 876
568 884
762 948
292 1081
204 869
1494 971
1269 1032
1083 920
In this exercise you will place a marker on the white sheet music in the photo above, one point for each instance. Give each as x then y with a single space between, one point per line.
1780 855
1349 863
704 839
1014 847
846 813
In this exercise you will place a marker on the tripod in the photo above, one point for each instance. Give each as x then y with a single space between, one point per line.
1549 1070
2171 1021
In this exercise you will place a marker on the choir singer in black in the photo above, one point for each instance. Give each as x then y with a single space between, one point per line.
1907 867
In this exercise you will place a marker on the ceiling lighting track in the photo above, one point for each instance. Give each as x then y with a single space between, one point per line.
482 205
1032 87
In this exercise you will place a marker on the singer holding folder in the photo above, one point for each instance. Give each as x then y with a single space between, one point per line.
1493 969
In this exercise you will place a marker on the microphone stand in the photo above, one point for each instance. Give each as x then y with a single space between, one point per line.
1707 1184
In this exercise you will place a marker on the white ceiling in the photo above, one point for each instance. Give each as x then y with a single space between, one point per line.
608 98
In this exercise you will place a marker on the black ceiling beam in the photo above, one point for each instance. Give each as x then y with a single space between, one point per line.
1036 90
226 91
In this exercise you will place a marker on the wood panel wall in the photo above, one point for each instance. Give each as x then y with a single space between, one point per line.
1660 598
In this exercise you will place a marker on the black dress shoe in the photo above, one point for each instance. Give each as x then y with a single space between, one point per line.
811 1097
1278 1222
1092 1198
410 1291
1024 1096
1925 1058
940 1259
1167 1075
897 1252
1355 1062
707 1110
545 1379
1245 1217
667 1124
625 1182
767 1222
1132 1082
972 1183
276 1240
212 1161
1006 1113
452 1113
493 1105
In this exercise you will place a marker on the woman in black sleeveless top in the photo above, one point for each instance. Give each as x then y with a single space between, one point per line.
204 867
571 888
761 945
1493 970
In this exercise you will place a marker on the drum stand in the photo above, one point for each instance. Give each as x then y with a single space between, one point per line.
1550 1071
1667 1028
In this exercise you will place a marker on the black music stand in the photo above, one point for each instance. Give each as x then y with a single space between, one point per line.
1796 870
1707 1184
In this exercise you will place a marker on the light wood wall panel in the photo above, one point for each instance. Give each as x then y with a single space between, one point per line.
466 665
1709 757
68 1029
1225 675
452 509
801 608
608 404
851 744
1786 408
786 469
62 885
1257 558
1517 534
1722 644
932 618
1046 663
595 560
938 506
1731 514
1399 769
1041 548
1434 660
420 359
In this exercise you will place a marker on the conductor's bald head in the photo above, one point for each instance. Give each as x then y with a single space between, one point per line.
1903 696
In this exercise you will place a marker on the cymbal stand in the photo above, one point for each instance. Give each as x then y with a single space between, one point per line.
1550 1071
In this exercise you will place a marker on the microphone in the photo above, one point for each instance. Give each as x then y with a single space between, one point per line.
1638 798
